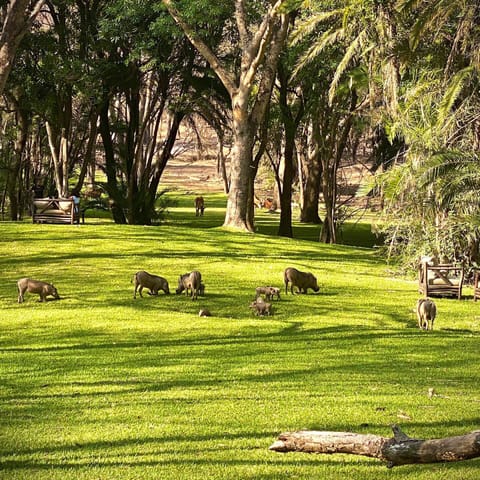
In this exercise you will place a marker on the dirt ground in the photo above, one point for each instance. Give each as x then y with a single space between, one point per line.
196 176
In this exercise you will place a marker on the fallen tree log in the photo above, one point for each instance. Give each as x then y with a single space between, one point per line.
399 450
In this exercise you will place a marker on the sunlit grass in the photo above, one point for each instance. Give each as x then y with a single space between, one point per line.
98 385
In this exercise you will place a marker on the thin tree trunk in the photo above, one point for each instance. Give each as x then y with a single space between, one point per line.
89 158
330 166
221 166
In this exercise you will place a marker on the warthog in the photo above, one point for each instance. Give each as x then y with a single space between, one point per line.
199 206
302 280
426 313
35 286
260 307
269 292
204 312
154 283
190 282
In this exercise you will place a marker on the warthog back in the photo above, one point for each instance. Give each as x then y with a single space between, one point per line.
36 286
190 282
426 313
302 280
154 283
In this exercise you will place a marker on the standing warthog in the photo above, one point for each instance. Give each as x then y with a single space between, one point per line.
269 292
260 307
426 313
199 206
190 282
154 283
302 280
35 286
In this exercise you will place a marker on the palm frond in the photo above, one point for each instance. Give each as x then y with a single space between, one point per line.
407 5
453 91
308 26
352 50
330 37
433 15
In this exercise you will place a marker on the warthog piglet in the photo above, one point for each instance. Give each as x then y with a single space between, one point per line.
302 280
35 286
154 283
260 307
269 292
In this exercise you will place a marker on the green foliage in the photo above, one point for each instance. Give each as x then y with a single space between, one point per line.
101 385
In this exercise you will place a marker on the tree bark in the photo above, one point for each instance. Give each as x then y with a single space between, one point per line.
16 24
110 165
14 187
313 174
399 450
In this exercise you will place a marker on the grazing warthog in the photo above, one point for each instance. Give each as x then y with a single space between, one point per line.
154 283
302 280
190 282
204 312
269 292
426 313
261 307
199 206
35 286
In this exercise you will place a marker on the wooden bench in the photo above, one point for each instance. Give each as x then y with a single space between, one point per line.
55 210
445 280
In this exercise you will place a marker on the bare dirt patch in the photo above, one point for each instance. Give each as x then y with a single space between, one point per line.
192 174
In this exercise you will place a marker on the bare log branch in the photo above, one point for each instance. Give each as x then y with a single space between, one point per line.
399 450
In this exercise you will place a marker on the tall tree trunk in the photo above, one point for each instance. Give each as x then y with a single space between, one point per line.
14 184
313 174
242 155
285 226
89 157
331 159
162 162
328 233
290 125
110 165
134 201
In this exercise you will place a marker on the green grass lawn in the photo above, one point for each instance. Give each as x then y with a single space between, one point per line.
101 386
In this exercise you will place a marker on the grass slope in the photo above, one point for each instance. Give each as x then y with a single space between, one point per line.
99 385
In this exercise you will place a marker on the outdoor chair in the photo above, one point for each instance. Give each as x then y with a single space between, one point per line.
442 280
